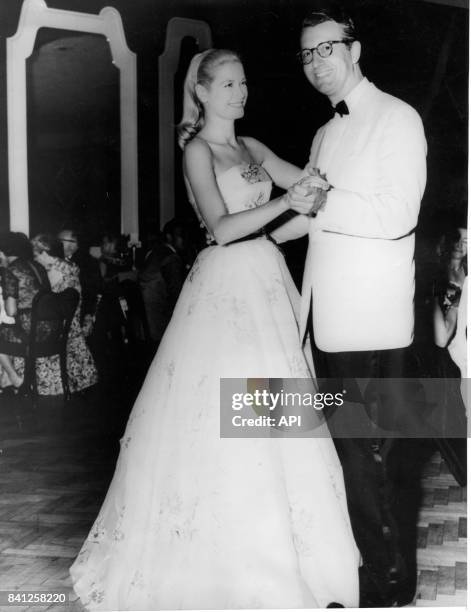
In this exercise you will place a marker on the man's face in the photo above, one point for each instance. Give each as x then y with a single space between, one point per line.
176 238
68 242
332 76
109 246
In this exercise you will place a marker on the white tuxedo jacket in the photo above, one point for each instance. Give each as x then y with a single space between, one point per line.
359 269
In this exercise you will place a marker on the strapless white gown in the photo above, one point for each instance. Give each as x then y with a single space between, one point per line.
195 521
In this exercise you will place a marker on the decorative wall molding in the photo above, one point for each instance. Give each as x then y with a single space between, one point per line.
34 15
178 28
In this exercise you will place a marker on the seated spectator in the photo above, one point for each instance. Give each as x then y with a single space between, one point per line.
22 279
63 274
161 278
89 275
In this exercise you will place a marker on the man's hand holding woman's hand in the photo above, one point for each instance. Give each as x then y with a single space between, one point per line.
309 194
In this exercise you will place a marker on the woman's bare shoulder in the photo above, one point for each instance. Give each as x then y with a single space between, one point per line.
196 147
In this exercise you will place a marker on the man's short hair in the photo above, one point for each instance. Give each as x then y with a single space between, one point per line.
332 12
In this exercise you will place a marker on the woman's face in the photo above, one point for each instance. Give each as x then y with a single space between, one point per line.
109 247
43 258
460 247
227 93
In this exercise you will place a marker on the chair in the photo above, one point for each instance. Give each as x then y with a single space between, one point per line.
51 318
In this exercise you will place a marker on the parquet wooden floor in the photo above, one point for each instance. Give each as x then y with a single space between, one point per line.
442 541
52 485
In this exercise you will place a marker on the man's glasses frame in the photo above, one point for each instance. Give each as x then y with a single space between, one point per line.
323 50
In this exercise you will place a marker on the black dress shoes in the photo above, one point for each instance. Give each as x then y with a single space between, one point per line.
335 604
398 591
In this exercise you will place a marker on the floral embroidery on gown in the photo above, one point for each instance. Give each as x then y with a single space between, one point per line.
195 521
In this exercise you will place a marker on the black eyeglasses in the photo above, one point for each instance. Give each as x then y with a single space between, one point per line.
323 50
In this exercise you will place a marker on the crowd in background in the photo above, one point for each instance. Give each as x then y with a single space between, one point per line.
127 296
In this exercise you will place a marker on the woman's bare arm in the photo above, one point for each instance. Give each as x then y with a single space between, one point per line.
281 172
444 325
224 226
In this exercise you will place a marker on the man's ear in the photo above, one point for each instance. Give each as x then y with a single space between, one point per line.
201 93
355 51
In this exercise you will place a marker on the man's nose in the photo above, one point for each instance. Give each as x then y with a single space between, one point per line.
317 60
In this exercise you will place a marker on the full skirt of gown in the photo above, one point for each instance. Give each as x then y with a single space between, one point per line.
195 521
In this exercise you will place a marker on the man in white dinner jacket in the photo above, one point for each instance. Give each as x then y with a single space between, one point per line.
358 287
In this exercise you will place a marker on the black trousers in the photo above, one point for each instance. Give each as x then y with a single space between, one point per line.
382 480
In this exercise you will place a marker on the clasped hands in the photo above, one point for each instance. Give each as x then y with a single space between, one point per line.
309 194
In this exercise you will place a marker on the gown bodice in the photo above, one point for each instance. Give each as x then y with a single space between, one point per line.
243 186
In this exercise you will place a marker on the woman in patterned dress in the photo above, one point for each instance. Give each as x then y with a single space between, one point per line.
22 279
81 368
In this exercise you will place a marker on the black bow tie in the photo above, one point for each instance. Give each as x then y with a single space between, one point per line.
341 108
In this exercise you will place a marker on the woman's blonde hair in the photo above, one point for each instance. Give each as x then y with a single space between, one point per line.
200 72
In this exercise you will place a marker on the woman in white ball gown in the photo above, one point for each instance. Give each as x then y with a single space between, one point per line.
192 520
